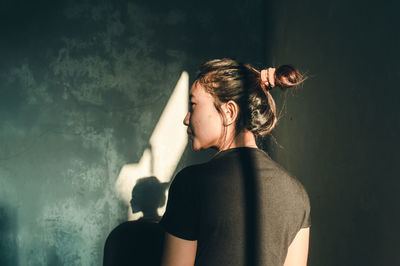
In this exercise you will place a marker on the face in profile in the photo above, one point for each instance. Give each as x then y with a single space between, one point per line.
204 122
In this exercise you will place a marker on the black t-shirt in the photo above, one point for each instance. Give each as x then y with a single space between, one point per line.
241 207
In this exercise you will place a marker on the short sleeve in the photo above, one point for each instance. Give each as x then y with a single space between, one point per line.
180 218
307 211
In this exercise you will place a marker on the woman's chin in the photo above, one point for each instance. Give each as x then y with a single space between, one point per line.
196 146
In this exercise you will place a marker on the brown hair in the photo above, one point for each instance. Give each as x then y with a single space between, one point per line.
226 80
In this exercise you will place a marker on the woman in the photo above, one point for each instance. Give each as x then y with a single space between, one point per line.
239 208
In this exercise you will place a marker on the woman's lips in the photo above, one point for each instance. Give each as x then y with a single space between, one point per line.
189 132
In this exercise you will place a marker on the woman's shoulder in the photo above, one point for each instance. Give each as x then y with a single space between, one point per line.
278 178
188 173
288 180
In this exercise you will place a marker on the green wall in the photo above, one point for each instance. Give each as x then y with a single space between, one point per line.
82 86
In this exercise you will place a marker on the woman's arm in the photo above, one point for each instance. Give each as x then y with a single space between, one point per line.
298 249
178 252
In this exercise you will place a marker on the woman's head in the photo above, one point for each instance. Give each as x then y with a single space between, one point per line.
226 81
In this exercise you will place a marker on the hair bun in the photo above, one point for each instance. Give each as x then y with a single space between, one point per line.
287 76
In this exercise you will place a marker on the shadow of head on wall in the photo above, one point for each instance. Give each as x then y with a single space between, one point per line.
139 242
147 196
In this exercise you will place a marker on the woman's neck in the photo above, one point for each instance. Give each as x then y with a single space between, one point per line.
244 139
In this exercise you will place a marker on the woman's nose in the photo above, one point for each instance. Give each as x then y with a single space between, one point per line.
186 120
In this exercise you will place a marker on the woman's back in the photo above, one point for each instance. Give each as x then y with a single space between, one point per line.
241 207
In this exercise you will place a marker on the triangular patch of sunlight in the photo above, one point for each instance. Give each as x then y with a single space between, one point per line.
168 142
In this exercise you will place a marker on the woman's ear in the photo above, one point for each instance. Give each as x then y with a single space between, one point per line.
231 111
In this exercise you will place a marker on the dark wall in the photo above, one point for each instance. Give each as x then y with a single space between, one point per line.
339 134
81 88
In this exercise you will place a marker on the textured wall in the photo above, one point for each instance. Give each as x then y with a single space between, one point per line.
340 134
81 88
